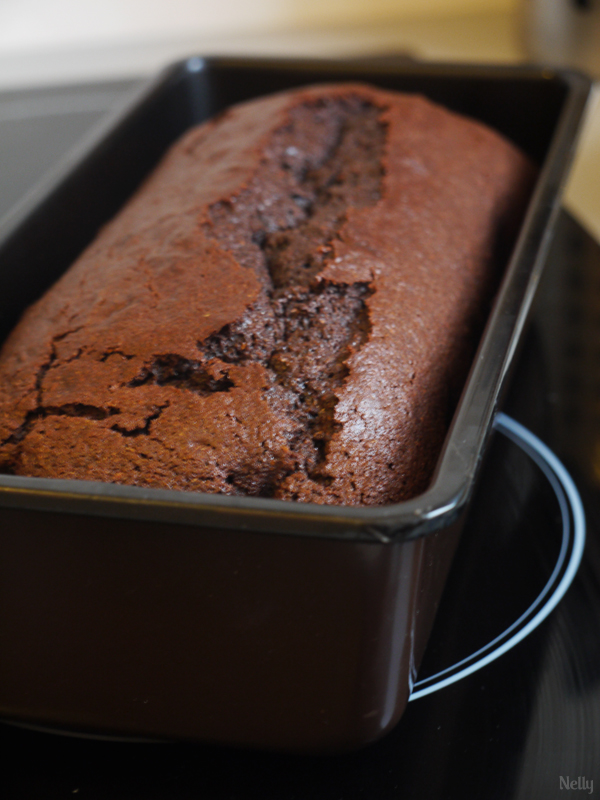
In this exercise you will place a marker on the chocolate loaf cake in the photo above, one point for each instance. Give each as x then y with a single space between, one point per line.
286 308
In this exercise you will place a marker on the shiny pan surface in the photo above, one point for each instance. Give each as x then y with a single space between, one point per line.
242 620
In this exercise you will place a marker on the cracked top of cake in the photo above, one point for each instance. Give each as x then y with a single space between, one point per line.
286 308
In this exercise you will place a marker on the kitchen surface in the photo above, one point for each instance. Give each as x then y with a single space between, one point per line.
512 672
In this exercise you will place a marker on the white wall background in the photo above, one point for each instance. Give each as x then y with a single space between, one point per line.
30 24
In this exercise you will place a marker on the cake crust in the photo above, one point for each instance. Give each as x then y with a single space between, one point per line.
286 308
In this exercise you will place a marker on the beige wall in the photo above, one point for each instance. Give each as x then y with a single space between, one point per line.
28 24
353 11
50 41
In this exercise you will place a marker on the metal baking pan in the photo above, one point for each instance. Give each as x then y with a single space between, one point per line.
246 621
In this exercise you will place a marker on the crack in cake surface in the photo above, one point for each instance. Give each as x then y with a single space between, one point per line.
307 328
182 373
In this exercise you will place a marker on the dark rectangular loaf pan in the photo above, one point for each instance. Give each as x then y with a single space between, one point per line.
240 620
